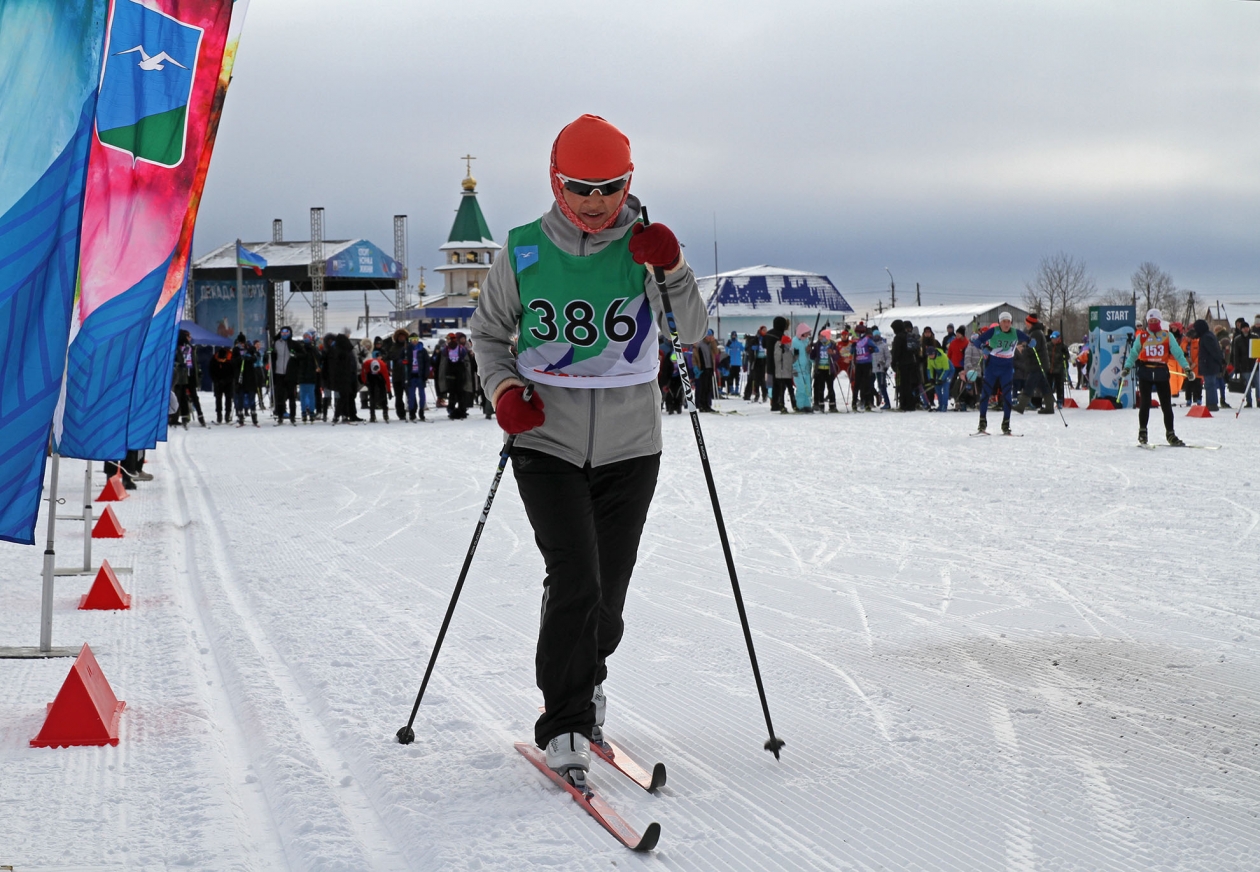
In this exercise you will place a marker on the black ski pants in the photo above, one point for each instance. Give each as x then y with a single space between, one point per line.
587 523
282 396
1157 377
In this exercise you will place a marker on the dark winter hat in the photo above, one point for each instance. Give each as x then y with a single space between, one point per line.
780 323
240 337
897 325
1031 319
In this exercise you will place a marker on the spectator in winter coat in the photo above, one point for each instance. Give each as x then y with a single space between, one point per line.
782 374
822 356
939 374
1037 386
735 362
957 348
344 377
801 369
906 362
1211 366
770 341
862 383
1189 342
375 376
881 361
304 370
395 353
755 359
1244 363
221 377
245 379
704 354
186 379
457 374
1057 362
283 382
417 375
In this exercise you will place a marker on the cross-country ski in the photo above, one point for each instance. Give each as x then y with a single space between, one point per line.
689 567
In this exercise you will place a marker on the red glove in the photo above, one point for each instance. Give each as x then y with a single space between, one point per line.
655 244
515 414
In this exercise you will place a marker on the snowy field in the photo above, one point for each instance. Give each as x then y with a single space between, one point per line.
984 654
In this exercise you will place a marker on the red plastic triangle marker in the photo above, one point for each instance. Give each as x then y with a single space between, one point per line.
1070 403
106 593
113 490
108 527
1198 412
85 711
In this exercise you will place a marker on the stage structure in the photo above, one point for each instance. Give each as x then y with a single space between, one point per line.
312 269
744 299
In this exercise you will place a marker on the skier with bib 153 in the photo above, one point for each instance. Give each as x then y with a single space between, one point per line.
1151 349
998 344
576 301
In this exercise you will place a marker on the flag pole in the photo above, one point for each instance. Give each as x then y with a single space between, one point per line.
240 299
50 558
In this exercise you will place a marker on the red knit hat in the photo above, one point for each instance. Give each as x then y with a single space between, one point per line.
590 148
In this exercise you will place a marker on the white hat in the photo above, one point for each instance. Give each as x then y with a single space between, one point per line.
1005 316
1154 315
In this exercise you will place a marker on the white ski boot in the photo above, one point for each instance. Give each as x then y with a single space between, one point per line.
570 755
601 705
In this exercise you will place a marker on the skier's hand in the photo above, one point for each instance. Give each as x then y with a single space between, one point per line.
1190 375
655 245
515 414
1124 373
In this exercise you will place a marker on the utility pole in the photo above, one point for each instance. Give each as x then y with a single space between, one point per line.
917 300
892 284
881 307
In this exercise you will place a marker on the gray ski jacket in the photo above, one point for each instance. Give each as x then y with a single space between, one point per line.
596 426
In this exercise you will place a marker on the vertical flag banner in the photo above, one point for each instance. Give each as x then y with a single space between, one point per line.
159 75
151 388
50 64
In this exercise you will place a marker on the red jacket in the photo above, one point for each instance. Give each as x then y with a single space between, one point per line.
367 370
956 351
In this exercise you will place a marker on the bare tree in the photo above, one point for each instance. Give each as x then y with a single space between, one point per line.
1060 286
1154 289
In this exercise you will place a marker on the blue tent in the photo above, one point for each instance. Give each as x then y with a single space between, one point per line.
201 336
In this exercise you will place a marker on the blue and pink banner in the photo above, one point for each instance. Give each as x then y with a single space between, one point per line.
151 386
161 69
50 64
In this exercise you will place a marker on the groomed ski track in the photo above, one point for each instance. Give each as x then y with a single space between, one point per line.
983 654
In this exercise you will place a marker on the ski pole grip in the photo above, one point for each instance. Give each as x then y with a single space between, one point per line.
658 272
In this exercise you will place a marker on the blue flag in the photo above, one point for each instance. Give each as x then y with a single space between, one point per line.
50 63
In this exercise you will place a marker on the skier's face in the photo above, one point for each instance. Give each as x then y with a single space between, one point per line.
1152 324
592 210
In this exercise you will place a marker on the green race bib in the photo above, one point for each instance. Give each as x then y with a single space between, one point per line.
586 322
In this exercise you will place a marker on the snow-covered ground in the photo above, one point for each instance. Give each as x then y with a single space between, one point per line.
984 654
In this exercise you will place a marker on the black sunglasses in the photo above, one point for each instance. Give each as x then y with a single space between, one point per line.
584 188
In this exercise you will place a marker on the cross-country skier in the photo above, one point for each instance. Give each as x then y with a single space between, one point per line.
1151 350
576 287
998 344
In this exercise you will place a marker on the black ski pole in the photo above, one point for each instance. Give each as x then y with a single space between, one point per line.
1047 380
407 735
773 744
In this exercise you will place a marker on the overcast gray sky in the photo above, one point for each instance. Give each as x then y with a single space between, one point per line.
955 143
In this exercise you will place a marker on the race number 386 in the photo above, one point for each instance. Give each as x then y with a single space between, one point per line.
577 324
